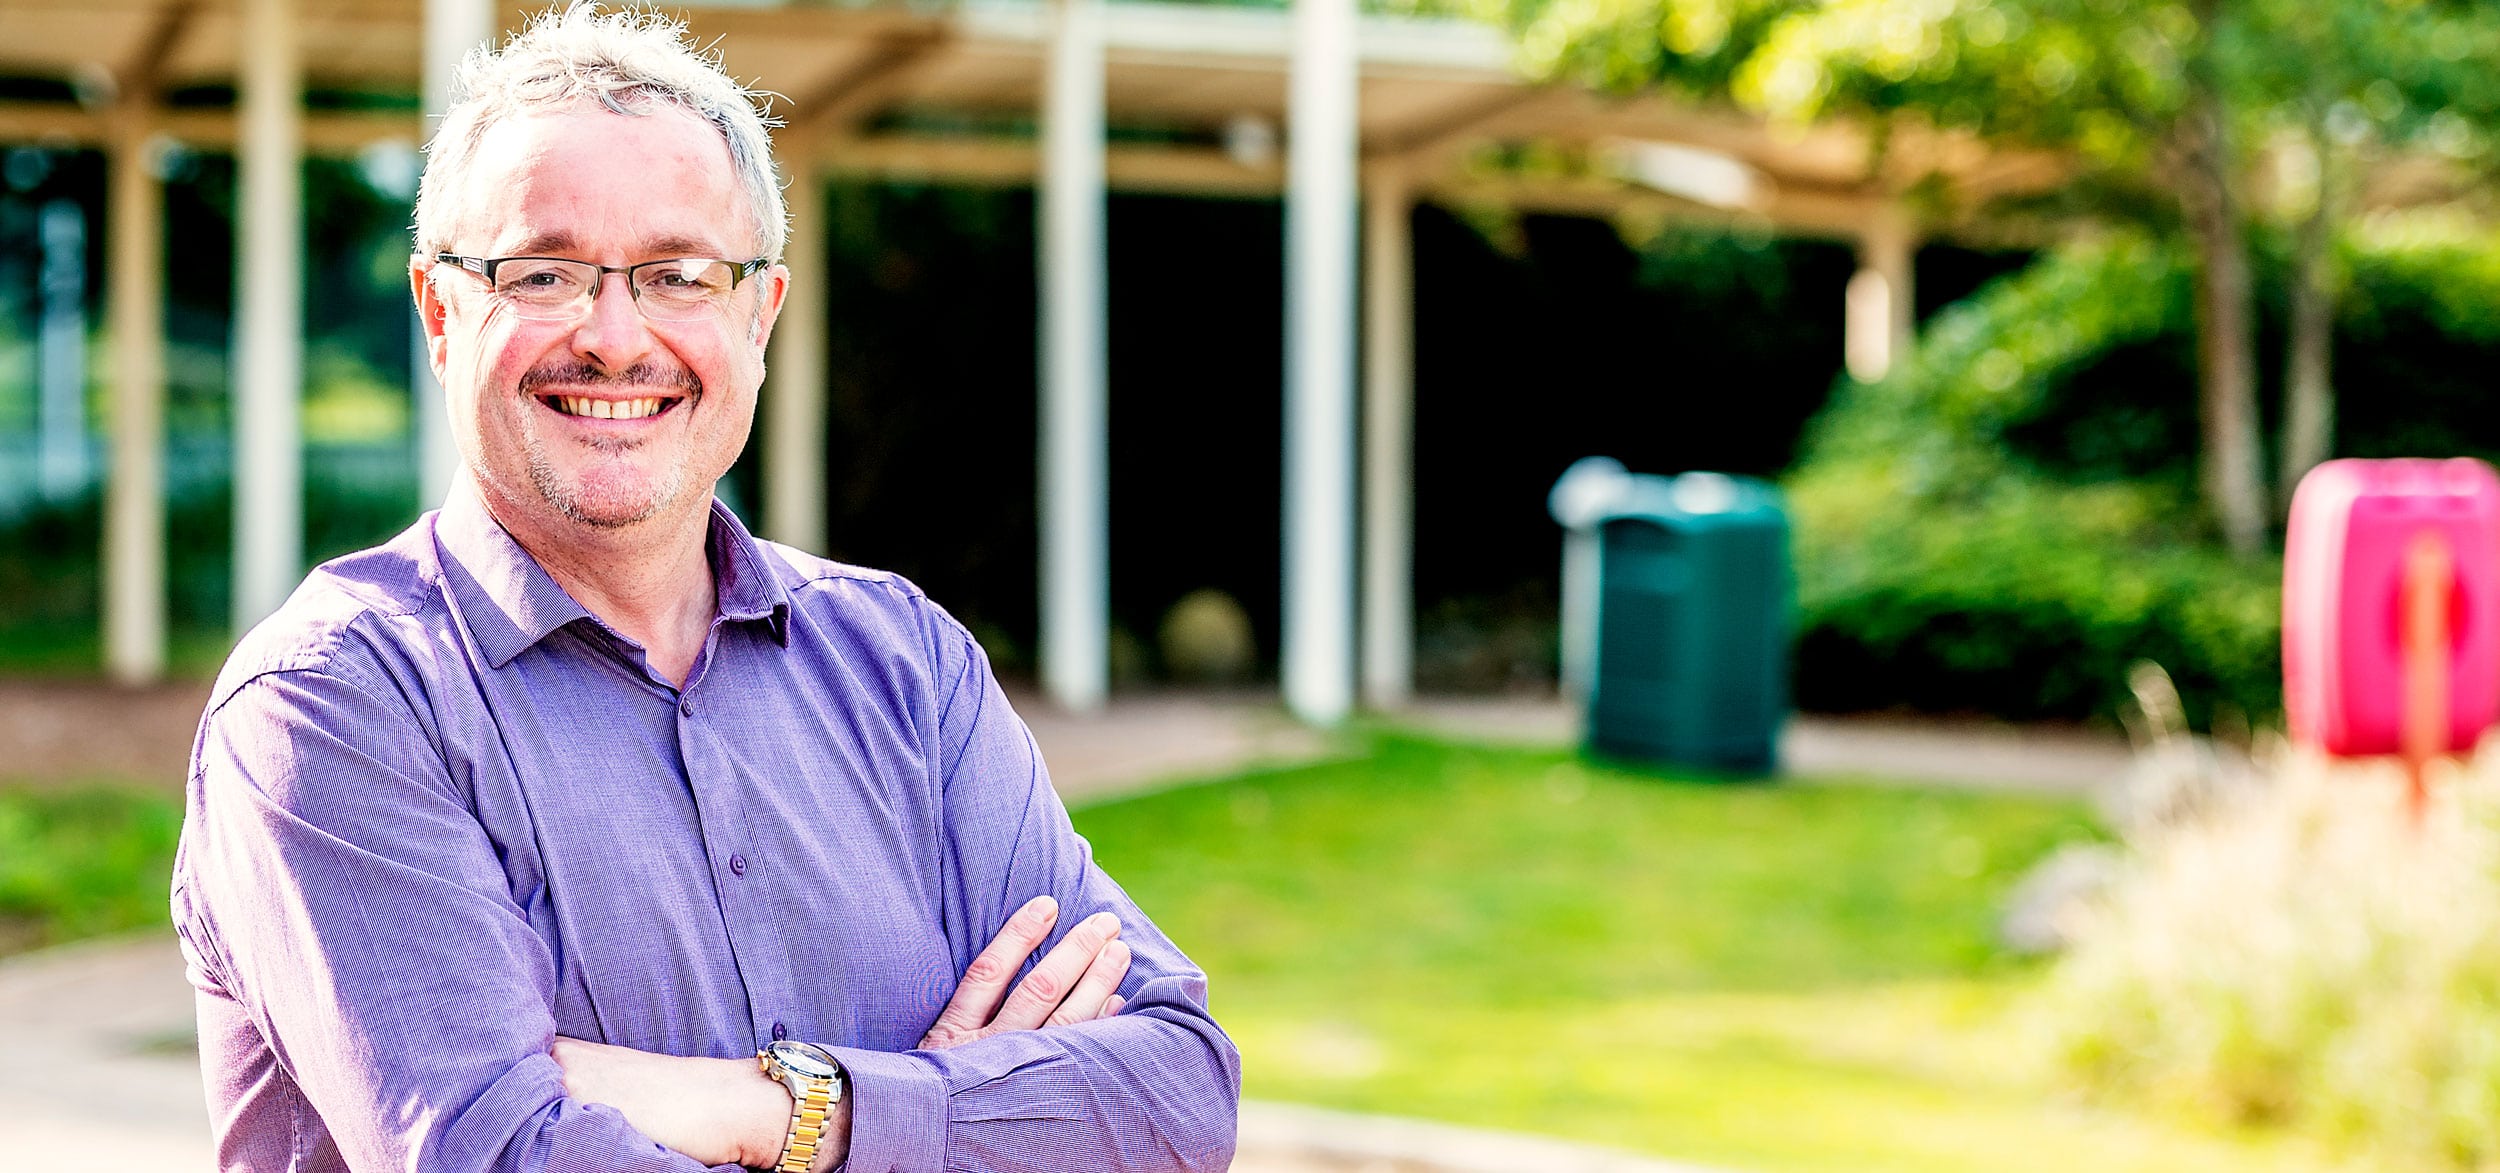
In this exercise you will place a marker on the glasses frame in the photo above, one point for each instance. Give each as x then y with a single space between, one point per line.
485 268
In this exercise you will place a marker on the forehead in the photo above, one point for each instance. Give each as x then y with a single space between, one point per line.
602 186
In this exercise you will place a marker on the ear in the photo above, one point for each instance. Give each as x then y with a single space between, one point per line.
431 311
772 287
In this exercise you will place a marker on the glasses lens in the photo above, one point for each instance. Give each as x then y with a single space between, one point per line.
683 289
542 288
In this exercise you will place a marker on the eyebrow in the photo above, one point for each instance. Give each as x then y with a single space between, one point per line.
560 242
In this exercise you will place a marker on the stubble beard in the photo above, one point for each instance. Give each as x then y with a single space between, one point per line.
569 500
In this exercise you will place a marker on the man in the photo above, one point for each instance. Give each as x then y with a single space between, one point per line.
545 835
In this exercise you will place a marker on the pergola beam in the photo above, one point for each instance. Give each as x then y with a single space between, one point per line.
269 331
1074 448
452 29
859 94
794 393
1318 644
329 132
134 498
1388 665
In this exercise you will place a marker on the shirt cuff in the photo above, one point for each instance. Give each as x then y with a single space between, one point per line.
898 1112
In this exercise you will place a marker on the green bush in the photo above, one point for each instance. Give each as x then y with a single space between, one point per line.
78 863
2312 955
1943 562
2030 604
2010 520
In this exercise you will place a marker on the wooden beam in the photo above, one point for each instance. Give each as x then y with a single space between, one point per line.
858 95
142 75
337 132
1014 163
1422 145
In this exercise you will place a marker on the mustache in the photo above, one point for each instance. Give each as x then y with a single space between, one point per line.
576 373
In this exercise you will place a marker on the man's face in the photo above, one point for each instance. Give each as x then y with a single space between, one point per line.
527 397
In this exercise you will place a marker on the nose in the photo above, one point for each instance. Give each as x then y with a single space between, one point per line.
612 335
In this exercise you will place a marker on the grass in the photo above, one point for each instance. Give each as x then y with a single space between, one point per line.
60 649
1763 977
83 862
1766 978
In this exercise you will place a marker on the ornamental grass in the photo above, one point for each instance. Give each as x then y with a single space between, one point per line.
2288 944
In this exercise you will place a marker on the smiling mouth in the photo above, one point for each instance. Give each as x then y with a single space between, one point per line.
585 407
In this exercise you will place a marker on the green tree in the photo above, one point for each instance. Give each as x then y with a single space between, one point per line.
2355 89
2154 98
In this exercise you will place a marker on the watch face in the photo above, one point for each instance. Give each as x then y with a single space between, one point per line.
807 1059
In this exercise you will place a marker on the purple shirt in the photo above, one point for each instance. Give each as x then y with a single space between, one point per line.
440 814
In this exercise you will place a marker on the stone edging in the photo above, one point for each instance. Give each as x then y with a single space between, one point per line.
1273 1130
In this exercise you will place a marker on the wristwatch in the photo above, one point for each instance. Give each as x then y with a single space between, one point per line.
815 1080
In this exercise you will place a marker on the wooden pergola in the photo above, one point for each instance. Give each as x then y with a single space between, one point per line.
1373 113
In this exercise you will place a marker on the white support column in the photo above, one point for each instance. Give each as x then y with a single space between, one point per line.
452 29
1882 325
794 397
61 351
1388 441
269 365
1319 364
1075 440
134 496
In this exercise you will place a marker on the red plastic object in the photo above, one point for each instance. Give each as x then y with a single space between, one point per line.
2365 534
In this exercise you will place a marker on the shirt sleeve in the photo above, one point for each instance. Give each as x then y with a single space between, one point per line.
1156 1088
338 889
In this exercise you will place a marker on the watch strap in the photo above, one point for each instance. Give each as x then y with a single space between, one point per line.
807 1124
811 1101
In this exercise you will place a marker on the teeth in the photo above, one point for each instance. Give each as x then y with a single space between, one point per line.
608 409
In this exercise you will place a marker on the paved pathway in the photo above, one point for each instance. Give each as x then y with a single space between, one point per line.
97 1056
1919 751
95 1039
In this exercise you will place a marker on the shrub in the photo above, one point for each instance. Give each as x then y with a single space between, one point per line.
75 864
2306 955
2030 604
1940 568
2010 520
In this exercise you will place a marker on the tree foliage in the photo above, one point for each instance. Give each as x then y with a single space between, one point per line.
2220 111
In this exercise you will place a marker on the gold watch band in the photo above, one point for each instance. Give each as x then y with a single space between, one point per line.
807 1127
811 1101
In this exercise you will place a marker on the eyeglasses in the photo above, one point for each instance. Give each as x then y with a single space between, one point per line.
553 289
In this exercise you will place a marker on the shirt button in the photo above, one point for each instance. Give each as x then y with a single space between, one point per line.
737 865
780 1032
687 708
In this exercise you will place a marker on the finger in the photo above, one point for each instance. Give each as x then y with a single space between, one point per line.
1100 984
985 980
1112 1008
1041 991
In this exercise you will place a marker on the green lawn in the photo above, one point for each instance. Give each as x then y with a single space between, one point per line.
73 649
82 862
1766 978
1789 977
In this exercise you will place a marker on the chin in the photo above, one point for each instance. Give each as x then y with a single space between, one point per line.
609 502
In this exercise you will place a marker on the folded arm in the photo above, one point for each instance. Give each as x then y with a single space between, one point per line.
335 886
1078 1036
1154 1087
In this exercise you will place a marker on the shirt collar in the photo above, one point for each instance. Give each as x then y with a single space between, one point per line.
510 602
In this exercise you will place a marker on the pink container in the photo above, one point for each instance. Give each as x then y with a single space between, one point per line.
2353 523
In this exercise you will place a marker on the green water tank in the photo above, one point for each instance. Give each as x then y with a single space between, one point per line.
1693 621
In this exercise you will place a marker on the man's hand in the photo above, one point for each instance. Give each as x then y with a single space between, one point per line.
1078 981
717 1111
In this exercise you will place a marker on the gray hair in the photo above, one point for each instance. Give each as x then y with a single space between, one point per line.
631 62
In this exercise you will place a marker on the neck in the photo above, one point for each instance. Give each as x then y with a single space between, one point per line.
651 580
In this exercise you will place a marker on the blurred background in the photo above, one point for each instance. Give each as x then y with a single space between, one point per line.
2033 311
